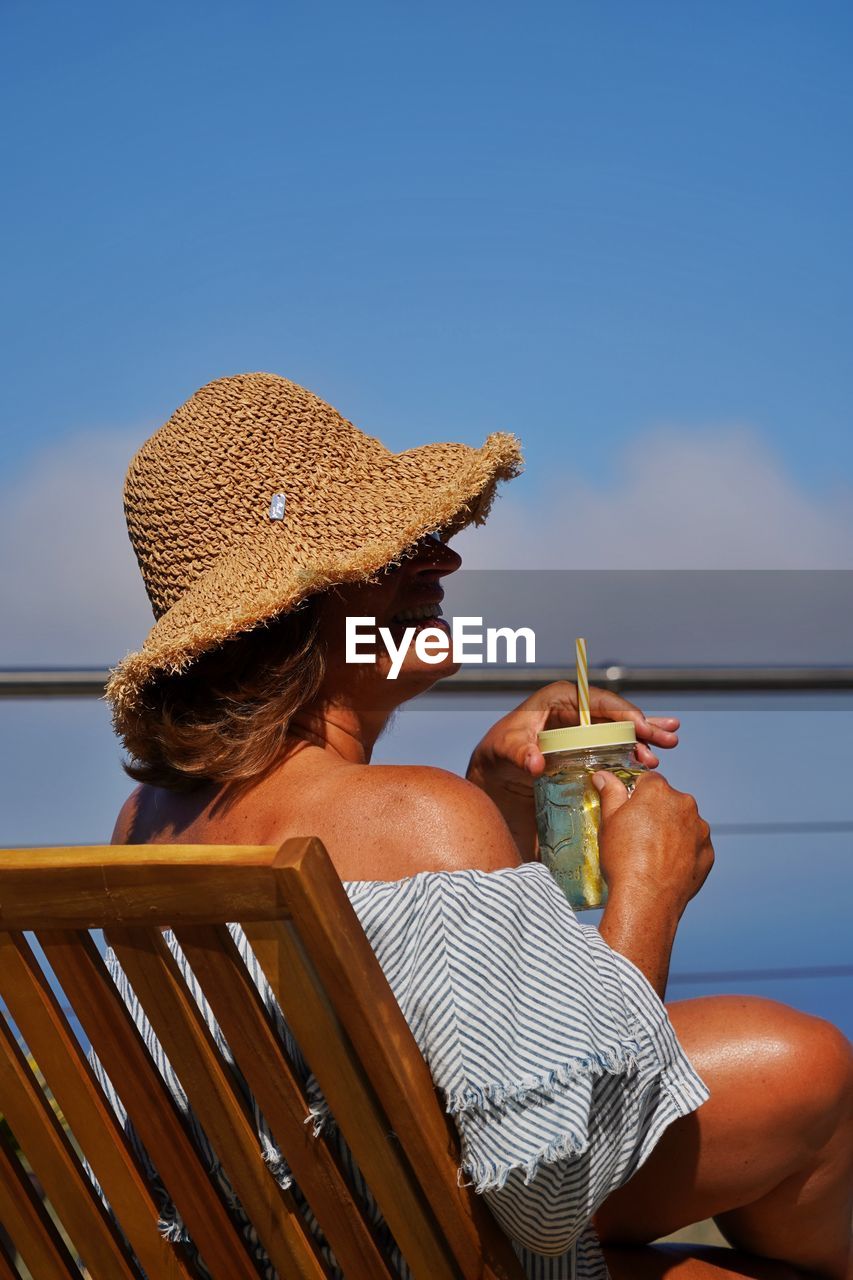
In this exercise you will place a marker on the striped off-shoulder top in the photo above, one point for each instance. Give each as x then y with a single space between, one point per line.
555 1056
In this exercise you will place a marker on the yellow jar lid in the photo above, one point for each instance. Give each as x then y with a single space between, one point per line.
583 737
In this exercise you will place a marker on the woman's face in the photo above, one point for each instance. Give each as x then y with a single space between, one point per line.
398 601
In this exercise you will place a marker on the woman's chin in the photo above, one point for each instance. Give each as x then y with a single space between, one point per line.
424 674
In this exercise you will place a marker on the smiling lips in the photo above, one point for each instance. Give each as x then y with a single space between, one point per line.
419 613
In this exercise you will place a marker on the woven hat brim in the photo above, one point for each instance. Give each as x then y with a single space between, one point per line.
263 576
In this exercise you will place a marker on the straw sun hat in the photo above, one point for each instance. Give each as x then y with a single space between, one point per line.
256 494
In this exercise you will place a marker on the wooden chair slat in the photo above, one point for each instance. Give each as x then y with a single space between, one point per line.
54 1162
80 969
152 884
349 1091
313 896
115 862
176 1021
29 1225
44 1027
239 1010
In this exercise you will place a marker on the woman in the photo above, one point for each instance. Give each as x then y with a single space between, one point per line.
262 520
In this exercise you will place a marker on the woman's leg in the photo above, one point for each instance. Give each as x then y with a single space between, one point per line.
770 1155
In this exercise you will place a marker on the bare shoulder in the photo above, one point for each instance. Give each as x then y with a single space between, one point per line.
126 818
433 820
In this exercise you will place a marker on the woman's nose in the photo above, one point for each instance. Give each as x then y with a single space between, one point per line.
434 557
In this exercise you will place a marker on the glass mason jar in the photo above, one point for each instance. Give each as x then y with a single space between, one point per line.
567 804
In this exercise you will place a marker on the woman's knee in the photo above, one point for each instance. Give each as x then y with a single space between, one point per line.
799 1063
827 1056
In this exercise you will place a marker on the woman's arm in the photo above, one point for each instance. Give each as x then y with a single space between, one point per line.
655 853
643 932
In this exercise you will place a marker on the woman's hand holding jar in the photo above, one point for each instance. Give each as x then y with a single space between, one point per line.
655 852
507 760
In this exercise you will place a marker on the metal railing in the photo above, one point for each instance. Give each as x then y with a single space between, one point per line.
89 682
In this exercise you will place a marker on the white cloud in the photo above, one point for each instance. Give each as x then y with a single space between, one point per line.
717 500
72 592
71 589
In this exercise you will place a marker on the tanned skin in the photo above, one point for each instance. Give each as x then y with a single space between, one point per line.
770 1155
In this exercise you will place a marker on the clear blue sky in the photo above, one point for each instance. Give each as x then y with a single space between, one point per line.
567 219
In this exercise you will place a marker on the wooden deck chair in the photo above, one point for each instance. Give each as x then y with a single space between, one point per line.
343 1014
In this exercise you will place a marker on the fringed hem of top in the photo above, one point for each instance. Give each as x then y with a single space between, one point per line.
620 1060
276 1163
490 1175
173 1230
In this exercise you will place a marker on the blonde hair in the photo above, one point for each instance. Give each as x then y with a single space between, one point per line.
225 719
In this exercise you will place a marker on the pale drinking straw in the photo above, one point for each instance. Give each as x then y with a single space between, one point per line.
583 681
